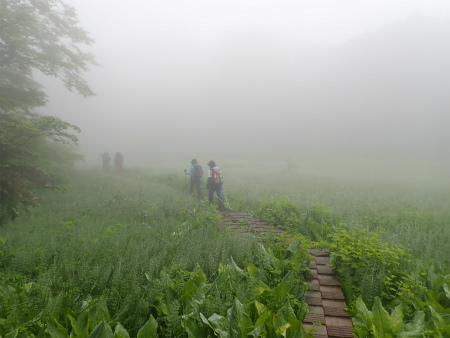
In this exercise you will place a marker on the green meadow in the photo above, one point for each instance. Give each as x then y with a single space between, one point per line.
135 255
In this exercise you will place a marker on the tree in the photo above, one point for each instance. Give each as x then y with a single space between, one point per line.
35 150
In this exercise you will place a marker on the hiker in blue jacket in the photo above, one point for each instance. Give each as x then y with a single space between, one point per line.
196 173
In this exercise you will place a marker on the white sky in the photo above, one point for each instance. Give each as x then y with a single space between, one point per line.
164 62
317 21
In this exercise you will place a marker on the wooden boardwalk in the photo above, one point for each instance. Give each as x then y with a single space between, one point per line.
327 313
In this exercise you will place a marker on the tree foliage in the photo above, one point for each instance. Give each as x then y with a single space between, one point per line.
35 150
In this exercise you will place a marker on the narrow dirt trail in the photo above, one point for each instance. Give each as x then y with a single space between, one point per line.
326 300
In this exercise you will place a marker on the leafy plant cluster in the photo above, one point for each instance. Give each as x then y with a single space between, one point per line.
365 263
141 253
313 222
407 300
431 318
374 274
258 302
264 301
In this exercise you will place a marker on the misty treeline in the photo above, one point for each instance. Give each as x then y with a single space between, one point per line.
36 150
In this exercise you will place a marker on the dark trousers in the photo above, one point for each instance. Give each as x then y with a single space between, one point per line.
196 181
218 190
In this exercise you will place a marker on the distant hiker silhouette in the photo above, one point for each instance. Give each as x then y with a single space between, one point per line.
106 158
196 173
118 162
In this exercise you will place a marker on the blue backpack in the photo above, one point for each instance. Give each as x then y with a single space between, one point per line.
198 171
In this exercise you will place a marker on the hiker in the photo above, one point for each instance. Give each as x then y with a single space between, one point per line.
196 173
214 184
118 162
105 160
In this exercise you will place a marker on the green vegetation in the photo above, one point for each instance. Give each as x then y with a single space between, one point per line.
387 238
115 251
128 254
36 150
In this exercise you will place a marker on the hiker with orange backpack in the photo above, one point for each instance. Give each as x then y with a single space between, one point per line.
214 184
196 173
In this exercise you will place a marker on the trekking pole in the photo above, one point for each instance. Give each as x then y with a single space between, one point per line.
225 197
229 206
221 200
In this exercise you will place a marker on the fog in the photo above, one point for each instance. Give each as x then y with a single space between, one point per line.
263 79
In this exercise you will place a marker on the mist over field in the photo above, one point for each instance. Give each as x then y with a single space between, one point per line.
263 79
329 125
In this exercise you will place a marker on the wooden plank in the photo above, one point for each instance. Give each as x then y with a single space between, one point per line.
315 284
321 331
335 311
333 295
319 253
328 280
322 260
340 331
313 298
325 270
315 315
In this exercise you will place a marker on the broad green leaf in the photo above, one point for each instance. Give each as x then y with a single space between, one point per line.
281 291
194 292
193 328
14 333
286 311
270 326
397 318
281 330
240 323
235 271
99 312
55 329
102 330
166 305
68 312
446 290
199 278
433 301
86 303
189 289
415 328
363 318
149 330
258 308
296 328
259 290
81 329
381 320
257 332
302 312
120 332
218 324
251 269
263 318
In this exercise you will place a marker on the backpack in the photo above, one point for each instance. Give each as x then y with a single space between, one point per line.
217 177
198 171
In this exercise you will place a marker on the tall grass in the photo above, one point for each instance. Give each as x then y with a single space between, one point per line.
92 241
409 200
